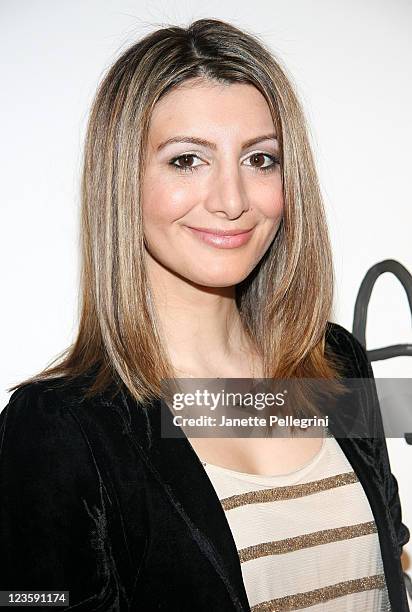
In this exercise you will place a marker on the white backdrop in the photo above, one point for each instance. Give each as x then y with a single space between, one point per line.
351 64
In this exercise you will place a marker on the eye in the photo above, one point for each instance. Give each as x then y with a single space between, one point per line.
184 163
185 158
258 157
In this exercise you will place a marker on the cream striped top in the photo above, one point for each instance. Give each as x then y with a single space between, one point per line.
307 540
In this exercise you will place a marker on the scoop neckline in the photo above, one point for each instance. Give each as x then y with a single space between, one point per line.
269 478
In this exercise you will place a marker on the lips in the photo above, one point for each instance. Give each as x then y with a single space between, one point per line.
221 232
222 239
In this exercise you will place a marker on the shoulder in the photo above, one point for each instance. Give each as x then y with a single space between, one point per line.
57 417
338 336
348 351
28 402
44 398
39 416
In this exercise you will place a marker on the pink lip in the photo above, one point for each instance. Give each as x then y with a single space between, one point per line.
222 239
218 232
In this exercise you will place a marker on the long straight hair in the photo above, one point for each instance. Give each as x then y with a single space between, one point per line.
286 301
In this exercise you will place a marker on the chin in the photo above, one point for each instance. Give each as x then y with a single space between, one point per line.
223 278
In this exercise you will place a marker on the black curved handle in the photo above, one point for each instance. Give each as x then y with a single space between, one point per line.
362 303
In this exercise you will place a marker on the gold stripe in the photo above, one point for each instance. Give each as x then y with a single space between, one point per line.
288 491
306 540
311 598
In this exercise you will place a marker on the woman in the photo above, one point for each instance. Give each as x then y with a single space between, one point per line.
196 132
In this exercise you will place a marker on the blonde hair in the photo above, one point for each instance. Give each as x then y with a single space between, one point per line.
284 303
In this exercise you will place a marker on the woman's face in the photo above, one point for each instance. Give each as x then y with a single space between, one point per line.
212 176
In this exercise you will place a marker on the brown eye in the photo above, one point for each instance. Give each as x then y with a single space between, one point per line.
186 159
259 160
258 157
187 165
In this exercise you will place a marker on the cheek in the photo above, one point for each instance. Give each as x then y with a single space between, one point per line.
162 204
271 204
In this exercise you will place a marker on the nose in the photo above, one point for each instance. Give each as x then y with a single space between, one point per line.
227 193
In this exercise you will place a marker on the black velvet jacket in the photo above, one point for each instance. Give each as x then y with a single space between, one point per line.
89 505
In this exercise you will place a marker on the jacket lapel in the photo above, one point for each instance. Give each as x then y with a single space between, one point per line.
176 466
360 455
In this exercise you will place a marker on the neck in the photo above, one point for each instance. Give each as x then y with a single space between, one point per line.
201 326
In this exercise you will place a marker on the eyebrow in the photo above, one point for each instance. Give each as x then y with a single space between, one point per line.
211 145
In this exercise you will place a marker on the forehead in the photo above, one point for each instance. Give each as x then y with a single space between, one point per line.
212 106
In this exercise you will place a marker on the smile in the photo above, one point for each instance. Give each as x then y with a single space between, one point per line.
222 240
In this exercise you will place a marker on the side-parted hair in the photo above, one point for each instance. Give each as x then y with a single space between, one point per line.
284 303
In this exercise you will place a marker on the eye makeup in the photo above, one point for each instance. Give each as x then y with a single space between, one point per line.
270 168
